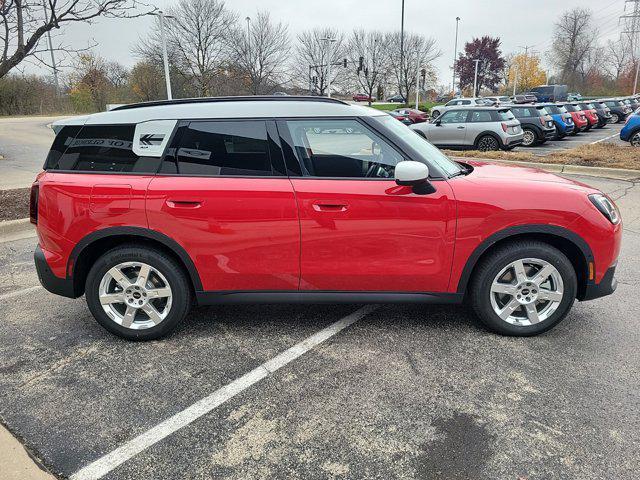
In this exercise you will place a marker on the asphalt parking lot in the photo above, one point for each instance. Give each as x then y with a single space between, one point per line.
406 391
608 133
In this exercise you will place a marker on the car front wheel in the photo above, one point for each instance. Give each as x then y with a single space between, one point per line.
487 143
137 293
435 114
523 289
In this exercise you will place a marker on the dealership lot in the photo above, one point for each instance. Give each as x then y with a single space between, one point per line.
406 391
609 134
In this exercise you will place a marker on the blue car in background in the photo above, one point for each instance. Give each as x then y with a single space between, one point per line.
631 131
561 118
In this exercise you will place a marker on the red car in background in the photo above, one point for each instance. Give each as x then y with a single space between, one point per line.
579 118
362 97
590 113
416 116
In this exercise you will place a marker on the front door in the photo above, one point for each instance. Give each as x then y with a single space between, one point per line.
360 231
450 129
223 196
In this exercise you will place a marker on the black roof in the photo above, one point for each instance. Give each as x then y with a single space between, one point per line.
247 98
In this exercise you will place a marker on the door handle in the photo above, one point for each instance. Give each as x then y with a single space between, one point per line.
460 128
330 207
184 204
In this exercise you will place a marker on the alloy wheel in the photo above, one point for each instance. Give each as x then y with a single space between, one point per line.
528 138
135 295
615 118
526 292
635 140
487 143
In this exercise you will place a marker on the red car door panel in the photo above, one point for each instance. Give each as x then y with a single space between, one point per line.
373 235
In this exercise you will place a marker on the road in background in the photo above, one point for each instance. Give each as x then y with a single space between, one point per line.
411 391
24 144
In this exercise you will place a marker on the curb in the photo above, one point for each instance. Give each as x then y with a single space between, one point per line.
16 229
615 173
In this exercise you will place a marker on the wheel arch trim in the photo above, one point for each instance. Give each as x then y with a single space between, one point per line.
504 234
490 134
142 233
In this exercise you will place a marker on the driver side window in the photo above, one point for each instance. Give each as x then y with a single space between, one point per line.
341 148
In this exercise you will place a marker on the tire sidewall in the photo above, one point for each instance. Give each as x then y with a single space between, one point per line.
496 144
482 287
180 290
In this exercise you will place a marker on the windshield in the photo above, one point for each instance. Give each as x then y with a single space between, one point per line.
422 146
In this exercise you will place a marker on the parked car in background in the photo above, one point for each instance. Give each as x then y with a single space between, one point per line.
631 130
456 102
280 94
619 110
578 116
525 98
397 99
537 124
473 128
416 116
362 97
603 112
590 113
403 117
561 119
497 100
632 102
573 97
550 93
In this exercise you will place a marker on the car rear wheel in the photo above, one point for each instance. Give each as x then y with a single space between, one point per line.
137 293
487 143
635 140
528 137
435 113
615 118
524 288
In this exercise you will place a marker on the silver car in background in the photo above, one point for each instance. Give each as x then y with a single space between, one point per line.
473 128
458 102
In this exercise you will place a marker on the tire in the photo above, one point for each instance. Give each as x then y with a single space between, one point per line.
529 139
635 139
167 307
421 134
615 118
487 143
435 114
497 267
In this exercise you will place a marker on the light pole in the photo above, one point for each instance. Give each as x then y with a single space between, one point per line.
515 80
329 41
402 49
165 58
248 19
53 58
475 80
455 56
418 81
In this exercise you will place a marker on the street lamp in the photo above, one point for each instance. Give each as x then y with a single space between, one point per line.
165 58
248 19
455 56
329 41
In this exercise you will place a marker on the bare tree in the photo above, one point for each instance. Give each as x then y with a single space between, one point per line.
314 56
371 47
574 39
116 73
419 52
260 54
23 23
198 40
618 56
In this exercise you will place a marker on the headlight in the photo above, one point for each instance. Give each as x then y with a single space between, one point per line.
606 207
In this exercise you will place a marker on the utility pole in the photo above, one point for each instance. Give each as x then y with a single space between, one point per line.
418 80
165 57
53 58
455 57
515 80
632 28
475 79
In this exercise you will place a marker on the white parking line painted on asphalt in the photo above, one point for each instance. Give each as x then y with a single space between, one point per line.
605 138
17 293
133 447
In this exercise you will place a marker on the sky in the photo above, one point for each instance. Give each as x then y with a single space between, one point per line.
518 23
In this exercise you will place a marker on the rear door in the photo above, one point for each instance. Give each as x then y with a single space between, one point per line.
360 230
451 129
223 195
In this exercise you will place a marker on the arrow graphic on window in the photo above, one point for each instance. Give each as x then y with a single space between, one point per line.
151 139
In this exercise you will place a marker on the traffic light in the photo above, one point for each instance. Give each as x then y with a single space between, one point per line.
360 65
345 63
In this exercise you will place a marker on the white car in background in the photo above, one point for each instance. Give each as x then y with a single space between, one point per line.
457 102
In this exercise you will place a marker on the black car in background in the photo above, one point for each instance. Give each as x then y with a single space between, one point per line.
603 112
537 124
633 102
619 110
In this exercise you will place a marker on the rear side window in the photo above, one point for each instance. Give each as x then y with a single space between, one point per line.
101 148
455 116
60 144
480 116
214 148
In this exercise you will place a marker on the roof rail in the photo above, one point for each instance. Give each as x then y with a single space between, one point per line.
247 98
